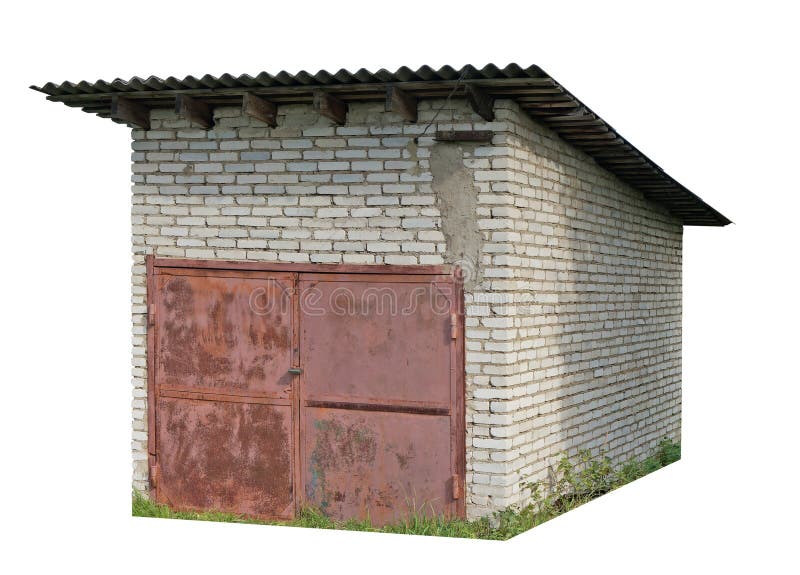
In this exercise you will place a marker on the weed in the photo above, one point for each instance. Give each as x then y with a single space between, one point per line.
575 482
590 477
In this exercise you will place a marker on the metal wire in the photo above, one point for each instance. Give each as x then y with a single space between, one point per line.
446 101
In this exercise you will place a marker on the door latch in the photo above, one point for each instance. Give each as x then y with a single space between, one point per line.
458 492
295 370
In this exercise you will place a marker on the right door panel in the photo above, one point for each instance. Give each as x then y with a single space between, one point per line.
378 400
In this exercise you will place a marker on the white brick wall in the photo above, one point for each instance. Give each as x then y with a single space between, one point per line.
573 327
574 338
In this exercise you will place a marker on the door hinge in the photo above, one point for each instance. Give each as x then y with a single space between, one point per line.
457 491
154 473
151 315
453 326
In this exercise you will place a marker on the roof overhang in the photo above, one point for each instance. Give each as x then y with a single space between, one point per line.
536 92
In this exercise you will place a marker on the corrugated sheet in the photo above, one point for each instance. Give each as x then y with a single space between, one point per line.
283 79
539 94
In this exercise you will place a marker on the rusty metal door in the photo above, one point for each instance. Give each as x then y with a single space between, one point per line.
380 433
277 386
223 344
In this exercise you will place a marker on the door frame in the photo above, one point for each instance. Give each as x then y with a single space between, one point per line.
457 373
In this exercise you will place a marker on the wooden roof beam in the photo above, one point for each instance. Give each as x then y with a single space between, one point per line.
130 112
572 124
401 102
194 110
260 109
590 138
464 135
480 101
331 107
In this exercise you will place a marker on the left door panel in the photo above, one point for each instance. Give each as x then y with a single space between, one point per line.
223 345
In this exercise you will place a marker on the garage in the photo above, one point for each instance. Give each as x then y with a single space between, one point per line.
273 387
299 338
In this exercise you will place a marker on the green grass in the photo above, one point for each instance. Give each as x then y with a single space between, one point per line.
575 482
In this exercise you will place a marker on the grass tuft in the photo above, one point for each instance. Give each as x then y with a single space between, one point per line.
576 481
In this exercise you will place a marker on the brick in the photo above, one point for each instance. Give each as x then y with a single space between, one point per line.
347 178
382 200
282 178
383 247
296 144
174 231
334 166
399 188
367 166
269 189
255 156
363 142
413 223
326 258
318 155
382 153
332 212
351 154
332 234
218 179
243 167
430 259
315 246
293 257
358 258
252 221
301 166
251 179
284 222
234 145
237 190
383 177
208 167
287 155
270 167
332 189
173 190
394 259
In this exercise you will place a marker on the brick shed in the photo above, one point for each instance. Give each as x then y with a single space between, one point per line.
362 291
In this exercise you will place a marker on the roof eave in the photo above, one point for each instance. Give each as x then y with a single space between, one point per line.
541 96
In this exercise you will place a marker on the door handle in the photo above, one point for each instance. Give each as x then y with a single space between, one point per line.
295 370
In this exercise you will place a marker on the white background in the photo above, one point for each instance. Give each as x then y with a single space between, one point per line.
708 92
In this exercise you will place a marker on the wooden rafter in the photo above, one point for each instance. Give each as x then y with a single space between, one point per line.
481 102
401 102
331 107
130 112
196 111
464 136
260 109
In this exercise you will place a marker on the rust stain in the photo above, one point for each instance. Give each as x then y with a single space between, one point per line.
337 444
210 338
225 456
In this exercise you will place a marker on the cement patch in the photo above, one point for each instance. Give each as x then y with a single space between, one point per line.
457 200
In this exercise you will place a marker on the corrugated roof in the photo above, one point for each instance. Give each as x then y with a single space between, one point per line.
542 97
